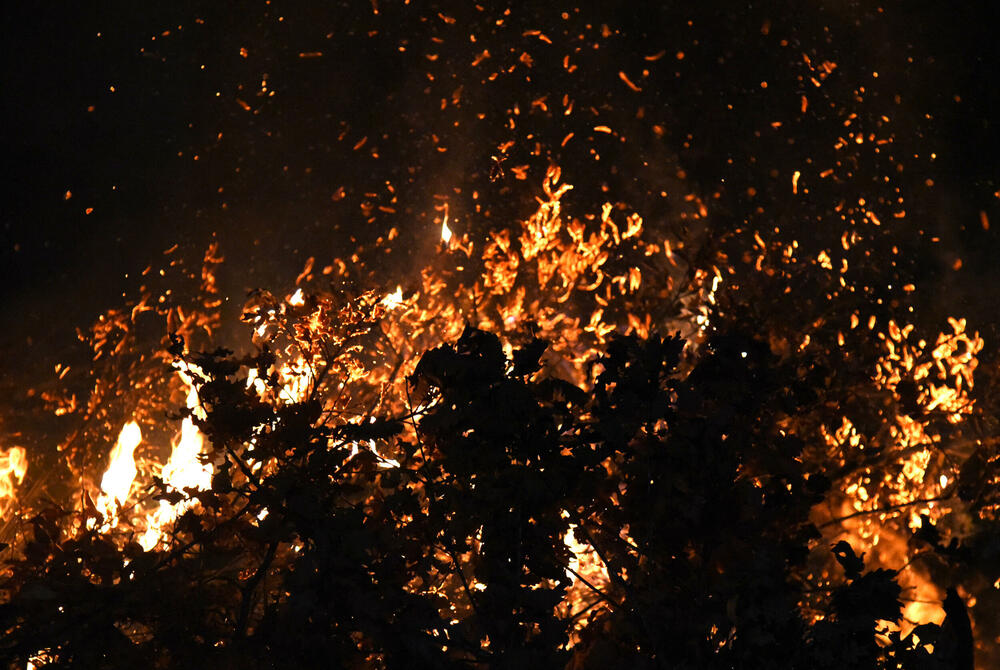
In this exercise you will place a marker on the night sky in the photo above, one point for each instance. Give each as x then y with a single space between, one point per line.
294 129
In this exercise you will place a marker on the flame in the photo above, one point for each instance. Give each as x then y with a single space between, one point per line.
586 570
184 470
915 475
13 467
446 233
884 506
566 277
395 299
383 461
117 480
573 281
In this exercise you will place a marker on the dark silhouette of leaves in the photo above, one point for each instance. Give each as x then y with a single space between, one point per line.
310 549
851 562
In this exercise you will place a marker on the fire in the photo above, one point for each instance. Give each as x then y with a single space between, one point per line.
446 233
881 508
297 299
183 470
327 356
394 299
941 378
117 480
13 467
586 572
574 282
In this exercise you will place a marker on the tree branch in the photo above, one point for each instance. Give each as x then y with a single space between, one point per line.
246 599
887 508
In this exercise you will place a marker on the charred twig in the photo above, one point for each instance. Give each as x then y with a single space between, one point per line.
416 430
179 551
581 612
243 466
600 594
246 591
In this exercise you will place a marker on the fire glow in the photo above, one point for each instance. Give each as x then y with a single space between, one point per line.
182 471
557 266
331 374
13 468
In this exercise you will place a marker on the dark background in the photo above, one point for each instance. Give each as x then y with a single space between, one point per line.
191 145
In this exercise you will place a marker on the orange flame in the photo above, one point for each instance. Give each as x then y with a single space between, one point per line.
394 299
13 467
184 470
121 472
446 233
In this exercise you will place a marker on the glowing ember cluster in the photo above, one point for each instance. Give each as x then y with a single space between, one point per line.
884 503
936 381
568 280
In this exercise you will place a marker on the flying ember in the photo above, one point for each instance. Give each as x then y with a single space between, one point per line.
523 352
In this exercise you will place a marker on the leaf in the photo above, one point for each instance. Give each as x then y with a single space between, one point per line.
527 360
852 564
874 595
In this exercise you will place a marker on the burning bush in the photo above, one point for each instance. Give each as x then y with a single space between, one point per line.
312 543
512 465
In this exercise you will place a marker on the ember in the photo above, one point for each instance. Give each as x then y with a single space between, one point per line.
593 357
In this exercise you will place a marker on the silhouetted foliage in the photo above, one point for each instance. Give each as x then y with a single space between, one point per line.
312 550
